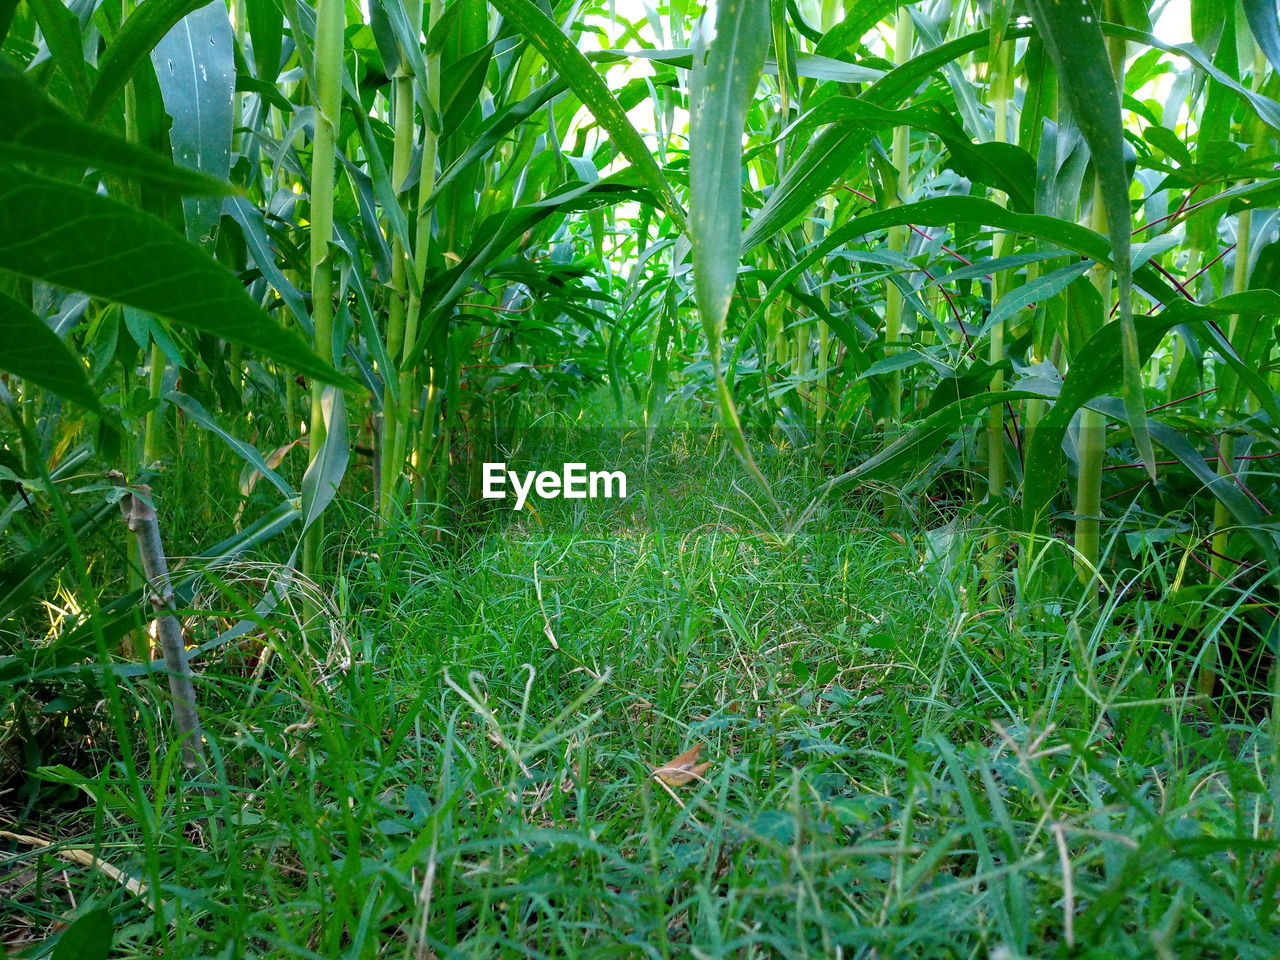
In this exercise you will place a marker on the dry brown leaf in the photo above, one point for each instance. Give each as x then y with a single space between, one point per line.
81 856
683 769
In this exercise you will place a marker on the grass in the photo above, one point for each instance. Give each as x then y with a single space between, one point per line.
900 767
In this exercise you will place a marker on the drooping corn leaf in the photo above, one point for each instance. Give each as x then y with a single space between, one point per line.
34 352
726 71
1073 40
37 132
1097 371
75 238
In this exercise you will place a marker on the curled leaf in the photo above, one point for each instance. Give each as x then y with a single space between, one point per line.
683 769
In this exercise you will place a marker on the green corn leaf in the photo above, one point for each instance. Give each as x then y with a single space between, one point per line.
943 211
1074 42
1223 487
35 131
842 145
196 73
320 482
726 72
800 65
1042 288
1097 371
574 68
61 31
1265 27
1001 165
917 445
724 78
35 353
496 128
858 19
265 22
246 451
1265 107
7 9
146 26
75 238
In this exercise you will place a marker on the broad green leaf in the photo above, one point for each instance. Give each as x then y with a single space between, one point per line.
7 9
1265 107
1074 42
1097 371
806 64
496 128
72 237
266 258
1028 293
463 83
149 22
501 231
574 68
88 938
320 482
36 132
1224 488
384 37
943 211
196 72
858 19
33 352
909 451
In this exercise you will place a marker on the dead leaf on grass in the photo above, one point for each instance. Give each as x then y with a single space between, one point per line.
683 769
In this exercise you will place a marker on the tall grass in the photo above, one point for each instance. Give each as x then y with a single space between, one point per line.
463 768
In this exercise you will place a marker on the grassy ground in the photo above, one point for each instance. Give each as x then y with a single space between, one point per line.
898 768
